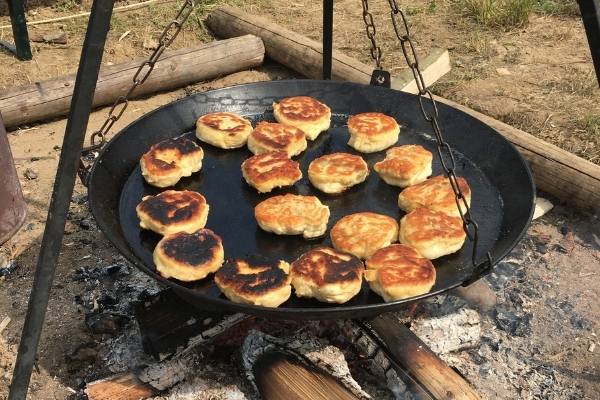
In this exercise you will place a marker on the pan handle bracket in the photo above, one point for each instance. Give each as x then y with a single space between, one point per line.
481 270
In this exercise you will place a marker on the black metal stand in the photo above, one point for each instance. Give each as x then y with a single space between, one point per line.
81 106
590 14
19 28
327 38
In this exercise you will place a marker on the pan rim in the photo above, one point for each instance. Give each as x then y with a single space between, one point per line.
296 311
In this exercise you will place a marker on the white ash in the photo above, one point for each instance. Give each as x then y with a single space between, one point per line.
125 352
168 373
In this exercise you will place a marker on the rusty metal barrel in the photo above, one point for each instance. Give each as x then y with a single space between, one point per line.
12 205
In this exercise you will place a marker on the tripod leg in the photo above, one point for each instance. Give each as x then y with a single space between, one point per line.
590 13
327 38
19 28
81 105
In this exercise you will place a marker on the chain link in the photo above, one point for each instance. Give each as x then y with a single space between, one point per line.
431 115
376 53
98 138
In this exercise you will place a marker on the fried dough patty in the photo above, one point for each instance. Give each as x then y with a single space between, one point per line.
435 193
372 131
189 256
292 214
255 281
362 234
169 160
303 112
405 165
223 129
398 271
173 211
336 172
270 170
270 136
434 234
327 275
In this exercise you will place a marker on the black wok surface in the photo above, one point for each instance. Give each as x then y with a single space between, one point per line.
502 200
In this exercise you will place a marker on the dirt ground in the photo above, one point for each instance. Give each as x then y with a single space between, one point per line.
538 78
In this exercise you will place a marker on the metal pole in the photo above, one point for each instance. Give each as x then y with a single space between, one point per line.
19 28
81 105
590 13
327 38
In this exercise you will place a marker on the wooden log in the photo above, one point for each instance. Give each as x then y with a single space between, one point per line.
279 378
43 100
433 67
410 354
556 171
119 387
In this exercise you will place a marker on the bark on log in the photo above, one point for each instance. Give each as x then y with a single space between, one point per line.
556 171
175 69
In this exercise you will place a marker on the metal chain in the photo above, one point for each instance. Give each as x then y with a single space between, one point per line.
371 32
169 34
443 148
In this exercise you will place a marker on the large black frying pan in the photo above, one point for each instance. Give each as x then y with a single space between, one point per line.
503 191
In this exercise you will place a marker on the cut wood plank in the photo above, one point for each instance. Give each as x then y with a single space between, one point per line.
433 67
556 171
291 49
279 378
43 100
119 387
410 354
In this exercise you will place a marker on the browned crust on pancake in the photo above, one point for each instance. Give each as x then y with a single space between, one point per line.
193 249
408 275
163 157
426 225
290 203
337 164
400 161
271 165
302 108
172 206
215 120
265 276
346 233
397 256
372 123
441 188
277 136
325 265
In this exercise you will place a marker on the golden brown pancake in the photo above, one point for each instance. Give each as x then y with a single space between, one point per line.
189 256
292 214
327 275
405 165
270 170
303 112
435 193
169 160
372 131
362 234
398 271
173 211
269 136
223 129
433 233
255 281
336 172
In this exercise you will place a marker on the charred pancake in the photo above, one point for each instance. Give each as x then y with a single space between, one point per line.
255 281
435 193
303 112
336 172
362 234
405 165
189 256
433 233
327 275
223 129
372 131
398 271
173 211
270 170
169 160
269 136
292 214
